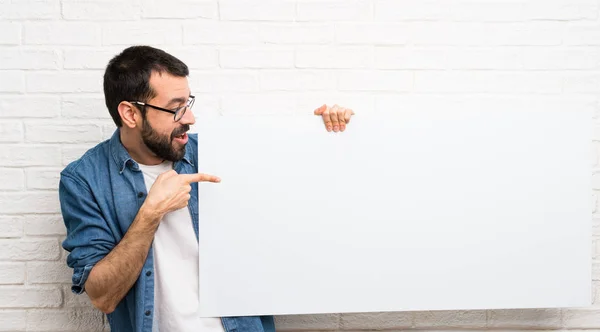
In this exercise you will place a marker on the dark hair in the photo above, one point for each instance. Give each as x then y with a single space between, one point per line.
127 76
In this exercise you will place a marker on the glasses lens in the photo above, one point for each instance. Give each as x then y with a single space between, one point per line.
179 113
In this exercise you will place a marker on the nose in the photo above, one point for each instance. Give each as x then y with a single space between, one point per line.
188 117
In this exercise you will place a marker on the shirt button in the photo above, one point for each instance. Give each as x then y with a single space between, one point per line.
148 273
147 313
140 194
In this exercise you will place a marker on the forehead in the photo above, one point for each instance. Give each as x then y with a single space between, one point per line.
167 86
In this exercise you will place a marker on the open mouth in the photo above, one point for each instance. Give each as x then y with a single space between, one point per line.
181 138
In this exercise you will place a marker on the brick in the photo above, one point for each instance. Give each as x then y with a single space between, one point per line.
256 58
30 9
582 35
596 270
406 10
510 58
582 83
485 34
334 57
72 300
75 319
44 225
64 81
377 320
29 297
29 106
404 58
500 11
376 81
562 10
11 226
61 33
596 224
265 10
151 33
10 33
18 58
29 249
581 318
595 293
559 59
104 10
596 181
12 81
13 320
71 153
198 57
307 322
12 273
221 33
108 129
43 178
334 10
29 202
84 107
295 33
525 318
180 9
11 131
490 82
297 80
224 81
48 273
88 59
28 155
263 104
371 33
62 133
11 178
451 319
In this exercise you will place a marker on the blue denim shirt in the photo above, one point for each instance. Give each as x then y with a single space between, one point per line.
100 195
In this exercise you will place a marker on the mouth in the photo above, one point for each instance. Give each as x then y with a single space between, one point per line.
183 138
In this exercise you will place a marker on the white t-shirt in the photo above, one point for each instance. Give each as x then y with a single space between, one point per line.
176 269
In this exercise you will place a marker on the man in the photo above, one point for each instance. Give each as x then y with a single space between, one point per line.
130 203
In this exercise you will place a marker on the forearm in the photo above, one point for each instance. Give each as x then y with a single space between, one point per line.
114 275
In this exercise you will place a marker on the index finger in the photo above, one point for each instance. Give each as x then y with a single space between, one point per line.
199 177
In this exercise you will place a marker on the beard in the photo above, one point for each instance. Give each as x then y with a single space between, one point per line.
162 145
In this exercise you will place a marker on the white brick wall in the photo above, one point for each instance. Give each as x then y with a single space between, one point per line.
270 56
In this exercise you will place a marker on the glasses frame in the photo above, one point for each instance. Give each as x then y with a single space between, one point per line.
177 112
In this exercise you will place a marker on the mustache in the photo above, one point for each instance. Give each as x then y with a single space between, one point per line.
180 130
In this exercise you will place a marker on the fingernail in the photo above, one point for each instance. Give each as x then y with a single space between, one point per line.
328 128
336 128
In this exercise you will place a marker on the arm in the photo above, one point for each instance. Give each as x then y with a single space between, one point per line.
115 274
105 269
112 277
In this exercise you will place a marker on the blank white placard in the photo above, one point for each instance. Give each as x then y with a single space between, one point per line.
408 210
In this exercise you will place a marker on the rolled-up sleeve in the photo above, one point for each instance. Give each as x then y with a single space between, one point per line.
89 238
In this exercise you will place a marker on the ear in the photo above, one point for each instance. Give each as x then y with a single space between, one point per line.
130 115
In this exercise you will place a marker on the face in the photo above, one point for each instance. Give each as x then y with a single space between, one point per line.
160 133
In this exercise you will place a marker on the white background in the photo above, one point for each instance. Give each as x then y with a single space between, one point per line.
413 209
269 57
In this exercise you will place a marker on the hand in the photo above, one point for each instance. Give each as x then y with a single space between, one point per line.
335 117
171 191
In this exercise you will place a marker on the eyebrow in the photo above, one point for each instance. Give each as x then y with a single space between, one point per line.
178 100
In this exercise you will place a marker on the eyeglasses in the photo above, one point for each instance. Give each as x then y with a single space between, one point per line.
177 112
